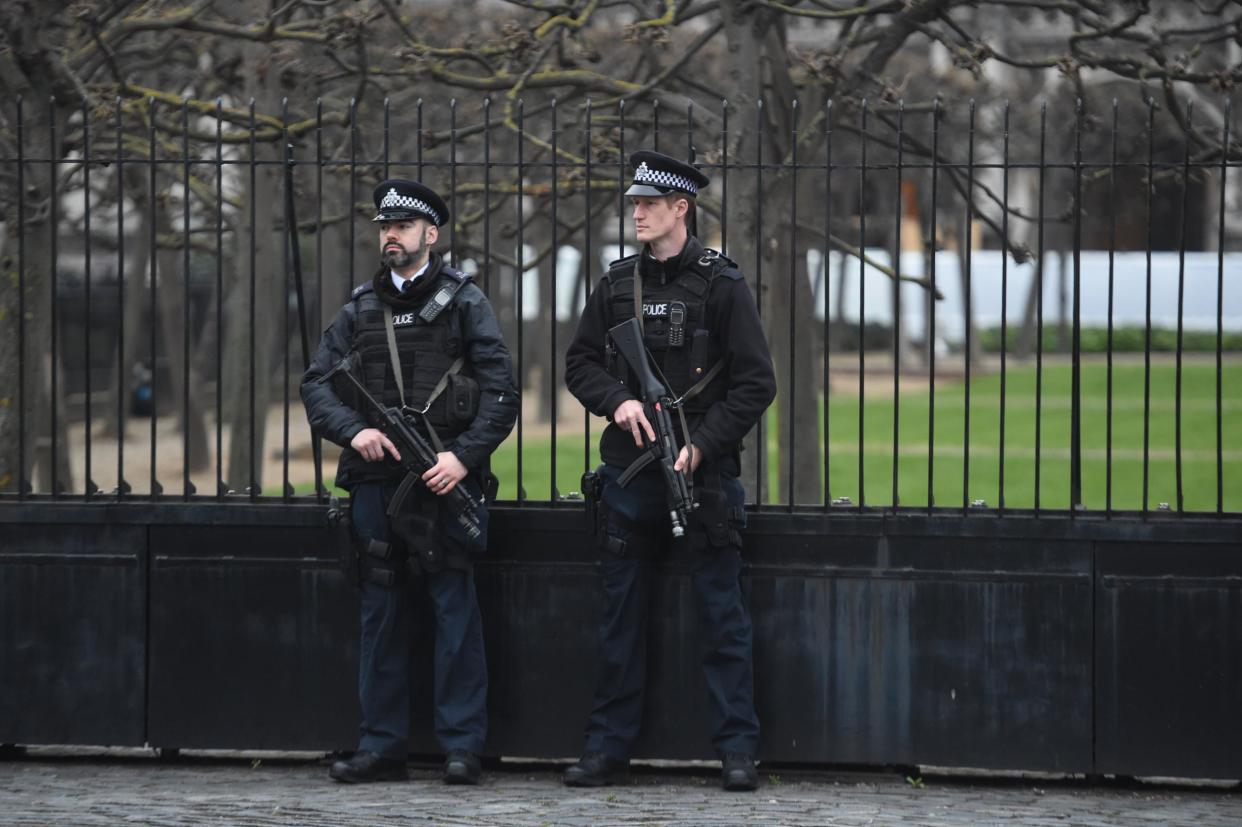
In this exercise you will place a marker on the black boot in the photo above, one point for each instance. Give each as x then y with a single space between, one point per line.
595 769
738 772
368 766
462 767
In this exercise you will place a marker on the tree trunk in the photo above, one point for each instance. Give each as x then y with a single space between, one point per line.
797 367
542 356
255 300
25 432
254 309
172 297
365 253
130 276
28 433
335 261
745 29
840 331
757 71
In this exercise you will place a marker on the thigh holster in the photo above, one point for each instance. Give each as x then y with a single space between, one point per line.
620 536
378 563
718 519
415 526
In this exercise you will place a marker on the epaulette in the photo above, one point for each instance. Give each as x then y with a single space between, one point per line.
620 265
455 274
714 263
362 288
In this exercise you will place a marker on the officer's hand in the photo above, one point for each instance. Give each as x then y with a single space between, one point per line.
696 456
371 443
443 477
630 416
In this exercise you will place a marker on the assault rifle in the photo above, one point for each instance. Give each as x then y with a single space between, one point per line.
627 338
417 455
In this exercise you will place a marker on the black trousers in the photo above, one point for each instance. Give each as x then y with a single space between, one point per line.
636 516
460 689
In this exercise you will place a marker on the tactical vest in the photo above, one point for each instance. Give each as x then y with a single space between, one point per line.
426 349
675 329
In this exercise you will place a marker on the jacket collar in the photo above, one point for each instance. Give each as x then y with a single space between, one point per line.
666 271
387 291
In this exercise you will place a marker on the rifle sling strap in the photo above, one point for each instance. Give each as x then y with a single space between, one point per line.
435 392
694 390
698 386
638 292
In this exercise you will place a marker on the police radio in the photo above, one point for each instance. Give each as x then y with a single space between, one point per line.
437 303
676 324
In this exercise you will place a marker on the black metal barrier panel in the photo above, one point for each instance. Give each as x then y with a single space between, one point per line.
1066 644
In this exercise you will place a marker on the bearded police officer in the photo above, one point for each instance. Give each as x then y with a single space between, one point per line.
424 338
702 329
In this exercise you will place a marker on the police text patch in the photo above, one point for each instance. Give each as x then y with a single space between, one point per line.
655 309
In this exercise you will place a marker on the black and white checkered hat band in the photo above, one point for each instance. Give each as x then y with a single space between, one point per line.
394 199
646 175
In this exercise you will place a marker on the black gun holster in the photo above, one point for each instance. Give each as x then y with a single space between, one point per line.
592 488
415 527
349 554
620 536
380 563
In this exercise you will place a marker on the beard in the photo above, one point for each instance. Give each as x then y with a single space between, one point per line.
397 256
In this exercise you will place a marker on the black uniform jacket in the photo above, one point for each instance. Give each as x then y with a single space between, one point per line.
486 354
730 313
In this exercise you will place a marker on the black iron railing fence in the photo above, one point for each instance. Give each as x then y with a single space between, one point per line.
952 292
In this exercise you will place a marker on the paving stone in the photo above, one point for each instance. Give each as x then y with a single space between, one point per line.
69 787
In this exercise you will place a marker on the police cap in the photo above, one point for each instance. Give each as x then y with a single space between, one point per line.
398 199
657 174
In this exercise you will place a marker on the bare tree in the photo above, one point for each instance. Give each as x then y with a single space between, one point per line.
777 64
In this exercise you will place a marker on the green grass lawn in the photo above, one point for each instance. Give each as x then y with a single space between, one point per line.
949 486
1199 465
537 464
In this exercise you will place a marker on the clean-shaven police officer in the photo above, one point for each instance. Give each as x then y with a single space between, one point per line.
702 328
424 337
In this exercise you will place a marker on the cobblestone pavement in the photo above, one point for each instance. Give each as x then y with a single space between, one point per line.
47 788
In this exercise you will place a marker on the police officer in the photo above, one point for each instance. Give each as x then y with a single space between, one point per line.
702 328
424 337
